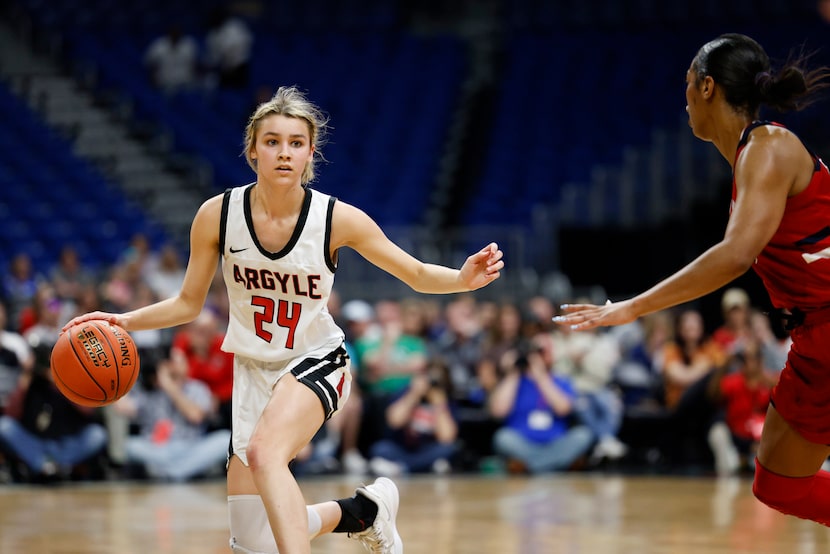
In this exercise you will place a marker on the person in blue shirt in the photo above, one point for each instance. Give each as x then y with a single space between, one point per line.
535 406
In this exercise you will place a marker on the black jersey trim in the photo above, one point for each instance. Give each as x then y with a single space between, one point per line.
295 236
327 241
223 220
756 124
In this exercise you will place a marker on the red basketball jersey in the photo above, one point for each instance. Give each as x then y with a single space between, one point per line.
795 264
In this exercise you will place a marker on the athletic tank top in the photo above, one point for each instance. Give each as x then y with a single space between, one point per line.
278 300
795 264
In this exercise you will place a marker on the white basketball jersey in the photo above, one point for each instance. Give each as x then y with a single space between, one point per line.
278 300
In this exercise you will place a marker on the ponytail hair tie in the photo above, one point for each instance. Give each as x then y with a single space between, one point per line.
762 77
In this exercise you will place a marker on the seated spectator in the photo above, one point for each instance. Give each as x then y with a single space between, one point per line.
69 276
774 338
689 362
505 332
20 284
172 60
167 277
422 431
744 396
460 344
736 326
16 358
387 363
689 358
638 374
49 435
200 342
587 359
536 408
43 317
172 417
229 42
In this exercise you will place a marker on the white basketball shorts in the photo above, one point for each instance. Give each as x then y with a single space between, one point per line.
327 373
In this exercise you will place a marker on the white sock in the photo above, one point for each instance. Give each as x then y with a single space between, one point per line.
315 523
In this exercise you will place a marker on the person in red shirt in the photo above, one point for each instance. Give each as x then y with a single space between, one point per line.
200 342
744 395
778 226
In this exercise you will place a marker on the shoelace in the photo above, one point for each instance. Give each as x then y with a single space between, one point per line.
373 540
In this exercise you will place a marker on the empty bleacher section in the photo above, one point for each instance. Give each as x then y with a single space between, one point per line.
49 197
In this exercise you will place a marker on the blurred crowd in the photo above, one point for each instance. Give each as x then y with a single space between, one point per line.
450 384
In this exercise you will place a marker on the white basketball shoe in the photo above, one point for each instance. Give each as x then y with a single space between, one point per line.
382 537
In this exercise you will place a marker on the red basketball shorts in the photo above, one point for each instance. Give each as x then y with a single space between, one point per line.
802 395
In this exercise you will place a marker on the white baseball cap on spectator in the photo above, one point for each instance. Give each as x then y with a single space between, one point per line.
734 298
357 311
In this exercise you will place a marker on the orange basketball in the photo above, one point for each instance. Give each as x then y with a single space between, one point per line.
95 363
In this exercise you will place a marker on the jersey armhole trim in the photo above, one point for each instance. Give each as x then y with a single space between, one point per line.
327 240
223 221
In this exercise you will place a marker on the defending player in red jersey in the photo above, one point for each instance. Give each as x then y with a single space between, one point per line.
780 225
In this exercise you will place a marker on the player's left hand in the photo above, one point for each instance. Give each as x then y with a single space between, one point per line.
483 267
581 317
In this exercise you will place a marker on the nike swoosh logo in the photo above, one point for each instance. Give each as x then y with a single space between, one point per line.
233 251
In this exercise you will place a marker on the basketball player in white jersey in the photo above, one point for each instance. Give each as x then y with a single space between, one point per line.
278 241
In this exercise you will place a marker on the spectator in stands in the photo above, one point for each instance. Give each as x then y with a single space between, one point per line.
360 327
387 364
139 257
460 345
774 338
49 434
172 415
16 358
536 408
344 431
43 321
19 287
389 361
744 396
638 375
422 433
588 360
167 278
735 307
689 358
200 343
358 318
172 61
473 376
88 300
229 42
540 310
217 300
69 276
505 333
689 362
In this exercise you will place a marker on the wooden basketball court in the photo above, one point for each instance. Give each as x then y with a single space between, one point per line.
575 513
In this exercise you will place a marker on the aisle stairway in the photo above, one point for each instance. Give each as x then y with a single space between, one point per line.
98 134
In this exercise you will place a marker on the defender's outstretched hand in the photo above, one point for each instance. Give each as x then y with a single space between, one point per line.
581 317
483 267
115 319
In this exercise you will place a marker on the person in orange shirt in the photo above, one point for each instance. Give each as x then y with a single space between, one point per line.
689 358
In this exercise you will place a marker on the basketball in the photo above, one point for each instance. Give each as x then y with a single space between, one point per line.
94 363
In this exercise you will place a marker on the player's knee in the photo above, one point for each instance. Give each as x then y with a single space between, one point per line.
262 455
